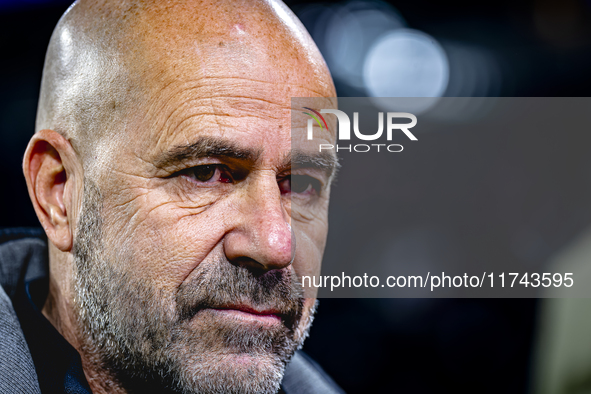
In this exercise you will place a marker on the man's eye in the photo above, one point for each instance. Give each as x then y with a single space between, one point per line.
301 184
209 173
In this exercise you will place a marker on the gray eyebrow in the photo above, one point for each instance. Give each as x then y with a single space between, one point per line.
205 147
219 147
324 161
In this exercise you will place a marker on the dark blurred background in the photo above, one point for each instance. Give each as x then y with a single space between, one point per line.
534 48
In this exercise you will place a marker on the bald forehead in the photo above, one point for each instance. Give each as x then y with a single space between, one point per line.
223 37
254 40
109 61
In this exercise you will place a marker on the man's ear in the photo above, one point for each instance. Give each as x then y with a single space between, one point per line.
49 165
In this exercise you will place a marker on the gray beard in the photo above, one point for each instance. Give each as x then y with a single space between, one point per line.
153 342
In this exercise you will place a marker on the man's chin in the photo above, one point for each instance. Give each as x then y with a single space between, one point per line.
250 366
238 332
235 372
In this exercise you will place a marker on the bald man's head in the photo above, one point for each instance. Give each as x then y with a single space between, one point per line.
161 171
107 61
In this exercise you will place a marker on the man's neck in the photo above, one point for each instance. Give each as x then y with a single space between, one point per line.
57 310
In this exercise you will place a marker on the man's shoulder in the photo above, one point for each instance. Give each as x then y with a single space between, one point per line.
304 375
23 256
18 247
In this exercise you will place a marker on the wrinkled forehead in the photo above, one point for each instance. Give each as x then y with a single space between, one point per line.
259 41
251 114
225 69
235 82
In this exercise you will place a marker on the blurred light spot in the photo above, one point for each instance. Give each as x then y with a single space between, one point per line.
315 18
406 63
474 72
414 105
350 32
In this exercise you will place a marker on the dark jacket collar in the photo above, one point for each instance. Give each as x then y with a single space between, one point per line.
24 271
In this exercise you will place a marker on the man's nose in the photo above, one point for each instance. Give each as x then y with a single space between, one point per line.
261 234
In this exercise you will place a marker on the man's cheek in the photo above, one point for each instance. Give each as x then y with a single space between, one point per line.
308 259
310 212
172 241
311 230
130 200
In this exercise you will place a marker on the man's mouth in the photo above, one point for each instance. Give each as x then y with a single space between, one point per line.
249 314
